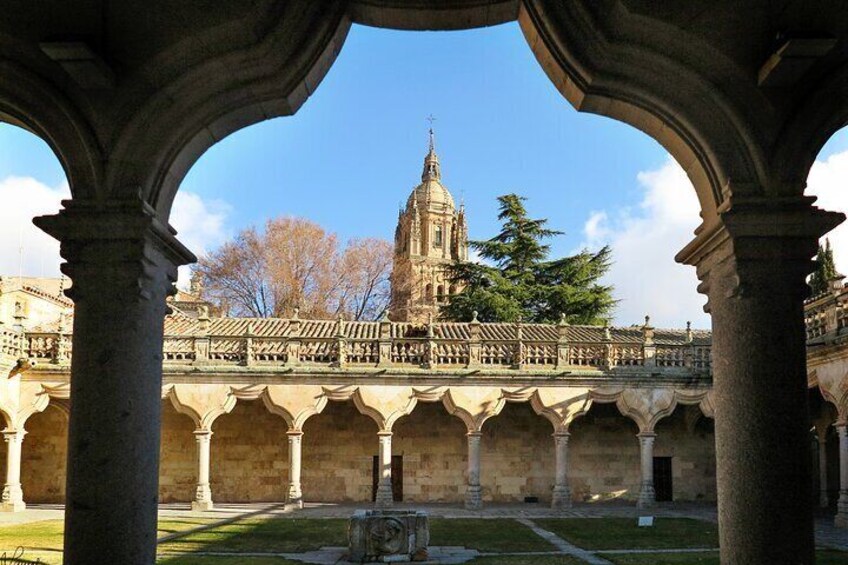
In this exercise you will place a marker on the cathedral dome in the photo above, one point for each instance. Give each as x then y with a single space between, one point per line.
431 193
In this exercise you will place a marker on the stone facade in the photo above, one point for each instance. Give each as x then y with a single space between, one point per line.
430 235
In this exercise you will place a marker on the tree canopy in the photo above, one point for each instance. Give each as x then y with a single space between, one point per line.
295 264
516 280
825 270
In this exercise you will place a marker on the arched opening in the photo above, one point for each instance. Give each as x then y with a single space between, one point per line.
517 456
339 446
684 457
44 456
604 460
249 455
177 456
435 454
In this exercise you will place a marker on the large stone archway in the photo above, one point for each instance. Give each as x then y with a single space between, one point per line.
131 110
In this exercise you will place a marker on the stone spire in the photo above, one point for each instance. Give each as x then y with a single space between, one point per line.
431 162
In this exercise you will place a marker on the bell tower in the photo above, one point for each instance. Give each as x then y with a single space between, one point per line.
430 235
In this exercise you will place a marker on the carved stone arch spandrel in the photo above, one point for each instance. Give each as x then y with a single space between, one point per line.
429 394
474 404
294 403
21 399
833 384
203 403
561 406
646 406
385 403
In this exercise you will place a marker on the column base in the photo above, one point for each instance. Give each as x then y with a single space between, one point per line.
17 506
201 505
841 519
561 498
294 499
824 501
384 497
647 497
473 498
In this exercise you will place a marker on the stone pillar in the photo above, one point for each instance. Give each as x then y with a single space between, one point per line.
561 497
842 506
473 499
824 501
647 496
13 495
203 495
123 263
294 497
384 486
753 264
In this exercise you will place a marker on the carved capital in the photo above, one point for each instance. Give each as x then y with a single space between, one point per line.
759 242
118 249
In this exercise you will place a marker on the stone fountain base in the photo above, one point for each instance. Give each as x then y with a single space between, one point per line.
388 536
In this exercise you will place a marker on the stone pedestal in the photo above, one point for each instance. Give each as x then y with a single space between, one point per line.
388 536
473 498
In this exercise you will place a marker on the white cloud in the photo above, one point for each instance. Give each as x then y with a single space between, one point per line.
828 180
23 247
644 241
201 225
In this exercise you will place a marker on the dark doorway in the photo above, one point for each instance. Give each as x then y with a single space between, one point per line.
397 477
662 479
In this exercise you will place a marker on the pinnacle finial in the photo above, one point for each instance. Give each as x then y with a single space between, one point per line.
432 119
647 321
474 315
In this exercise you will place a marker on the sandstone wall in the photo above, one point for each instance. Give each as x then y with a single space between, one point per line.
44 457
249 459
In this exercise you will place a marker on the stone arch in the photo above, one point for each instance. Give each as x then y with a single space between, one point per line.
454 15
687 437
44 456
30 102
474 404
516 455
338 447
177 454
433 445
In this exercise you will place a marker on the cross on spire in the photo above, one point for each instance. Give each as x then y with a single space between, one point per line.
432 119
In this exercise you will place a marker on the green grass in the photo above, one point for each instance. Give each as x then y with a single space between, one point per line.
623 533
496 535
527 560
261 535
823 557
220 560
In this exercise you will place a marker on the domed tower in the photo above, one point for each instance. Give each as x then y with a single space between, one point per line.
431 234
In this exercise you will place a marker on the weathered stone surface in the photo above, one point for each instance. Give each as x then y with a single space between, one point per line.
388 535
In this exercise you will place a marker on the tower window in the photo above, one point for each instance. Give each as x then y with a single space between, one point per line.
437 236
440 294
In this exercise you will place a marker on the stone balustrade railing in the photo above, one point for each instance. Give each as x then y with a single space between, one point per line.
387 344
826 314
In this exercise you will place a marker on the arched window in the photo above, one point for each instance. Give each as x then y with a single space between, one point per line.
440 293
437 236
428 292
451 290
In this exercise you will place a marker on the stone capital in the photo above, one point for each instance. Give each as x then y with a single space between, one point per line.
117 248
759 241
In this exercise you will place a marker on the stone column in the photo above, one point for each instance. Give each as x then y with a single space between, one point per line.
824 501
647 495
294 497
561 497
753 265
384 486
123 263
473 500
841 519
203 495
13 496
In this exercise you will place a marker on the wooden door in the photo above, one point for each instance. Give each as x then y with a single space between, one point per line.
662 479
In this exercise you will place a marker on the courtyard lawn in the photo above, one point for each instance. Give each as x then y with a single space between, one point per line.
495 535
262 535
527 560
623 533
823 557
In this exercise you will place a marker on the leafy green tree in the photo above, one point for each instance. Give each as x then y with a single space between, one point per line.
825 270
517 281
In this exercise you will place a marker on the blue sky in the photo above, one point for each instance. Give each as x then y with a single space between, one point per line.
354 151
